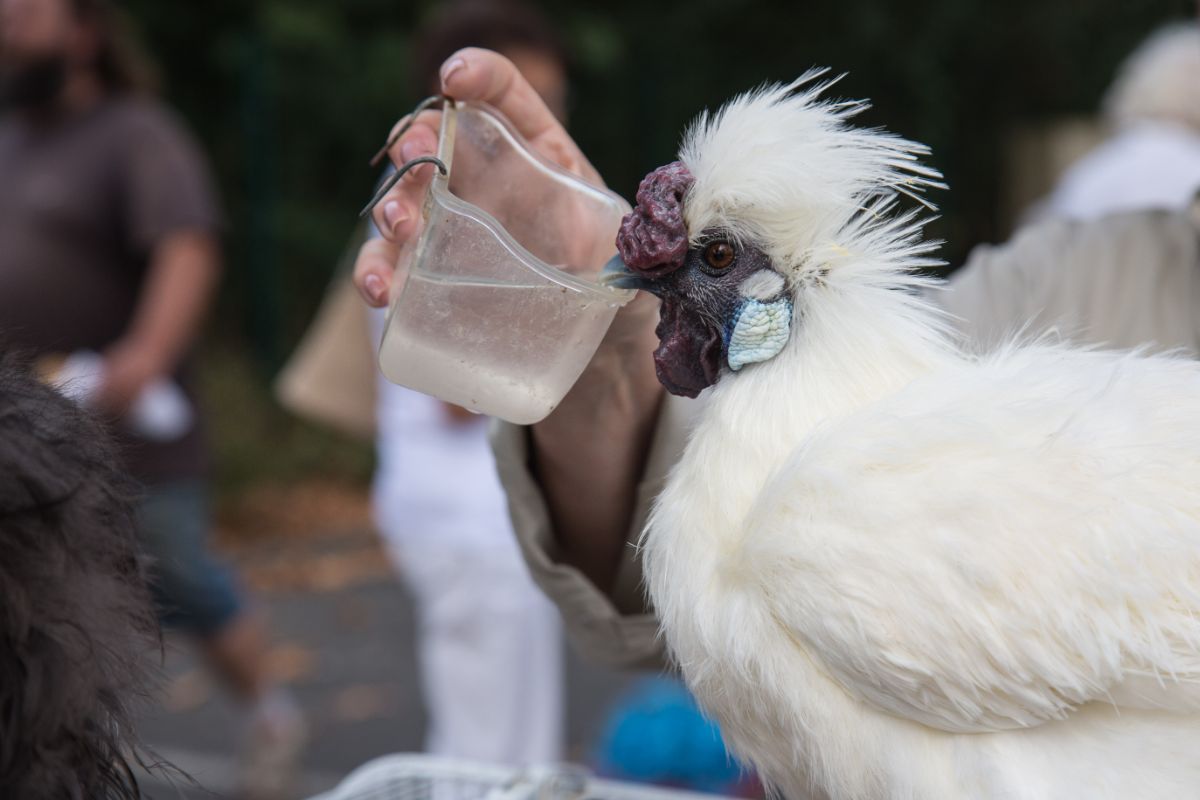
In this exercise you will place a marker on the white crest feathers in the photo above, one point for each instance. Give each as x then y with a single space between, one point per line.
783 166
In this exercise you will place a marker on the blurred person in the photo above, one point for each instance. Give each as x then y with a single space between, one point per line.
581 482
77 631
489 643
1152 158
109 244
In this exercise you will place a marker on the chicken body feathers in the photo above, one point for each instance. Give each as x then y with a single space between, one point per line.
983 583
995 546
893 570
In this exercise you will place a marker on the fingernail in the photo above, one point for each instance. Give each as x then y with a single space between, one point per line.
451 67
411 150
375 289
393 215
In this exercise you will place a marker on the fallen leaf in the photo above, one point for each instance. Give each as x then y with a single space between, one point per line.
289 662
363 702
319 572
187 692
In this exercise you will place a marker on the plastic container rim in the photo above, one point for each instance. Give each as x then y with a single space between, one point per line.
440 193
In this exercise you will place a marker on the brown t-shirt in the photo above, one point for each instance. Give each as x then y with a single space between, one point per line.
83 203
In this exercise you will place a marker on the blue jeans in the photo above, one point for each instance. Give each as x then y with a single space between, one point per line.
192 590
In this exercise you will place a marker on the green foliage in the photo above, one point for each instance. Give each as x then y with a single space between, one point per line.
292 96
956 74
255 442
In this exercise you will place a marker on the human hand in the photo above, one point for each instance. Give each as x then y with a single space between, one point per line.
470 74
129 367
482 75
589 454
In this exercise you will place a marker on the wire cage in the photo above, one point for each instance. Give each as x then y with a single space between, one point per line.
420 777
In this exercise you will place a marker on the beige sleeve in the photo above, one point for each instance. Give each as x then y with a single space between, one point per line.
614 629
1127 280
618 629
1005 289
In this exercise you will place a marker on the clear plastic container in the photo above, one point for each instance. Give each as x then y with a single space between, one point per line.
500 309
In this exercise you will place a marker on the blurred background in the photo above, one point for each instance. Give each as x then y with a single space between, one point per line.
289 98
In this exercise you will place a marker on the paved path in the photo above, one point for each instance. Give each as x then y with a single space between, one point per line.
342 631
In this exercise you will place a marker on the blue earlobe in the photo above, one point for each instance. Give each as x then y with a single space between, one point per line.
759 331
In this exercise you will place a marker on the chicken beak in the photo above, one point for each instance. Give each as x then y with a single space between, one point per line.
617 275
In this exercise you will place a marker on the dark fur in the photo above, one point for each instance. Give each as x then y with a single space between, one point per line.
78 636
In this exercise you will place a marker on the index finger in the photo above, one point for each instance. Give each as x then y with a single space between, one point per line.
394 212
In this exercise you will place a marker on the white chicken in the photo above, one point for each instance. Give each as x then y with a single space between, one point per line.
888 567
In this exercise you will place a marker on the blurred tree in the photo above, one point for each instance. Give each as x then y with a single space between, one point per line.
291 96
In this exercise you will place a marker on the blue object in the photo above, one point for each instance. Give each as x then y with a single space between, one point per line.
192 590
656 734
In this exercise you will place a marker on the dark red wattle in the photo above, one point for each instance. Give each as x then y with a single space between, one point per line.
653 238
690 352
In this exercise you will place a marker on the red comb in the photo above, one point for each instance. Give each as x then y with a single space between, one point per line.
653 238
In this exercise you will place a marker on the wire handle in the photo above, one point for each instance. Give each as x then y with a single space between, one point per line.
424 105
395 177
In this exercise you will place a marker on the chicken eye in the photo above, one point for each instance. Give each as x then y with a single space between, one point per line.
719 254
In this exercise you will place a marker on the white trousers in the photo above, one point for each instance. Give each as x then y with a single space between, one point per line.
490 652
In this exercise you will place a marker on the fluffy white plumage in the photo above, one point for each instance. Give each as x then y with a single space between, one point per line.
891 569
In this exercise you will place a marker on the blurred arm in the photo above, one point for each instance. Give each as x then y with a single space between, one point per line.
179 284
576 494
614 626
175 294
590 454
172 218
